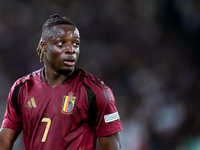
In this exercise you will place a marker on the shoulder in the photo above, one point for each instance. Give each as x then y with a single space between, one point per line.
95 84
91 80
31 77
89 76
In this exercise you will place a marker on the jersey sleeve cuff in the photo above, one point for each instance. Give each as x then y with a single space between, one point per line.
107 133
16 128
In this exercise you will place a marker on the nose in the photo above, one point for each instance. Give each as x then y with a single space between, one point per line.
69 49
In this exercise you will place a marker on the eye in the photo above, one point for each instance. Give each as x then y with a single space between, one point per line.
60 43
76 43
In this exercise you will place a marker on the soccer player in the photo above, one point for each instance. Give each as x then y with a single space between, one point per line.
60 106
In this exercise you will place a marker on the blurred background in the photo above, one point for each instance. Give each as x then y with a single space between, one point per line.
146 51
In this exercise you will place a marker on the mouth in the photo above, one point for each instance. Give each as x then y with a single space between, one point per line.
69 62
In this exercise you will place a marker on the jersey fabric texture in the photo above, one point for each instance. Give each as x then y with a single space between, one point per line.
69 116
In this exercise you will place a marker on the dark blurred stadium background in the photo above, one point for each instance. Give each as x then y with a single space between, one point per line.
147 51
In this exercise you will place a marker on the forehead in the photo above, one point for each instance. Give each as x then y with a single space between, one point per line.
63 31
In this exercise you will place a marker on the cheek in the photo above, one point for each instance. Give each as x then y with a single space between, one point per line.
56 56
57 49
77 55
53 55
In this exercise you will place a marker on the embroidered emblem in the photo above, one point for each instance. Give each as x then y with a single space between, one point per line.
68 103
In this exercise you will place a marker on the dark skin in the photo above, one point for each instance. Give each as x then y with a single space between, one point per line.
61 47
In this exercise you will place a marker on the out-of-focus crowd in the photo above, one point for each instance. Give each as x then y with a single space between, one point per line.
147 51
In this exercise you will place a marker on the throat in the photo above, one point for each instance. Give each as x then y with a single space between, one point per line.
54 79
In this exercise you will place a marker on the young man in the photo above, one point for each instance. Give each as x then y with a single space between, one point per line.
60 107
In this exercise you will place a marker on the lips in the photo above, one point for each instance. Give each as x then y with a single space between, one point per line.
69 62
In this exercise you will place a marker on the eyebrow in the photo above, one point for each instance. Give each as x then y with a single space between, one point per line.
77 37
61 36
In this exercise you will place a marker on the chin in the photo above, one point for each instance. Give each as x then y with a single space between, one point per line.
67 70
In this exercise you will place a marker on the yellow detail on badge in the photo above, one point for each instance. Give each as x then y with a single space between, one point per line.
68 103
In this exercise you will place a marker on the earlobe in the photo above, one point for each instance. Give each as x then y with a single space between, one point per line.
43 46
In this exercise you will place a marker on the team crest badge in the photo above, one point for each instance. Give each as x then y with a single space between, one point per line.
68 103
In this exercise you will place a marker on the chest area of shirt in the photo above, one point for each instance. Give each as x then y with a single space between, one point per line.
53 102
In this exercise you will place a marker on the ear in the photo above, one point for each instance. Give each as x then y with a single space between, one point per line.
43 46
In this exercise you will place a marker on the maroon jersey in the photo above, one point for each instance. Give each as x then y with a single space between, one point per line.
68 117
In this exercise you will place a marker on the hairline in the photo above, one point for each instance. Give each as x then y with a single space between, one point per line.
45 34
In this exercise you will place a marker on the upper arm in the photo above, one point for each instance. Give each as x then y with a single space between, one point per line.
111 142
7 138
108 120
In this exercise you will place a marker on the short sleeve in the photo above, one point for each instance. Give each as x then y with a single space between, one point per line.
108 120
12 118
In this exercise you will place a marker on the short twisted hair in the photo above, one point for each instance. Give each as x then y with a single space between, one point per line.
52 21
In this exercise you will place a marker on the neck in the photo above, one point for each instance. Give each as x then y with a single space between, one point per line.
54 78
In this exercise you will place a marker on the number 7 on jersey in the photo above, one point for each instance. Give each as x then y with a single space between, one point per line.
48 121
